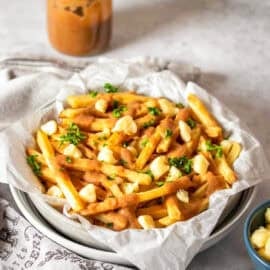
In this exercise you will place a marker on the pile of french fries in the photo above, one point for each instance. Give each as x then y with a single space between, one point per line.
124 160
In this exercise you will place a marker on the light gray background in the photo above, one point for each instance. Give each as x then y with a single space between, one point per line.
229 41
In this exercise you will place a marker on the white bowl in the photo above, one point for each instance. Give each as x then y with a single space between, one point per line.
75 231
33 216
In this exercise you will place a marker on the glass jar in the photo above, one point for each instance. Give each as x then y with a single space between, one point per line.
79 27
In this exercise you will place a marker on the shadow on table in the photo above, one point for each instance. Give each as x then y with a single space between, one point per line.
139 20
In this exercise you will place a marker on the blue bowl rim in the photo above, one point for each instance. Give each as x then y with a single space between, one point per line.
246 233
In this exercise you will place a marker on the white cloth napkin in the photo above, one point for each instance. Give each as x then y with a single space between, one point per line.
23 247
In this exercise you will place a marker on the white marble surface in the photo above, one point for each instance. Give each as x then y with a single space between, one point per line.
229 41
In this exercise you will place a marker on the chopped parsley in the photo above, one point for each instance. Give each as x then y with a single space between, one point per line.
34 164
168 133
154 111
144 142
122 162
160 183
117 112
191 123
149 123
109 88
73 135
214 147
180 105
109 225
115 104
182 163
68 159
93 94
149 172
125 144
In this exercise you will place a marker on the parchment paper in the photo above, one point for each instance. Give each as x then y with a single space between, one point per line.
175 246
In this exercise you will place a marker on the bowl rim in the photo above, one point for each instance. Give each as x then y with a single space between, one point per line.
248 244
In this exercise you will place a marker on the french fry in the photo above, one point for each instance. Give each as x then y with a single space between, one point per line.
156 211
61 177
215 182
148 151
166 221
204 116
110 204
171 203
131 217
80 164
82 101
166 189
141 178
113 220
225 170
146 222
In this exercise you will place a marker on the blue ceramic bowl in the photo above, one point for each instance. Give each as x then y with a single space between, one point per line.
253 222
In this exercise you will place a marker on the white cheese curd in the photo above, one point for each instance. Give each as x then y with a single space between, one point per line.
182 195
130 188
101 105
106 155
72 151
167 107
125 124
174 174
55 191
88 193
146 222
259 237
185 131
159 166
49 128
200 164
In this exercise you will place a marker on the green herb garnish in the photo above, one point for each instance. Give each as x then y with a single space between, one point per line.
68 159
180 105
122 162
149 123
115 104
160 183
182 163
109 88
154 111
126 144
34 164
93 94
214 147
117 112
144 142
73 135
168 133
149 172
109 225
191 123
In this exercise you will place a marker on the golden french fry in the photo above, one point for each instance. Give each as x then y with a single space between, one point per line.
148 151
171 203
156 211
110 204
141 178
215 182
225 170
113 220
131 217
146 222
61 177
166 221
81 101
202 113
168 188
80 164
233 153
